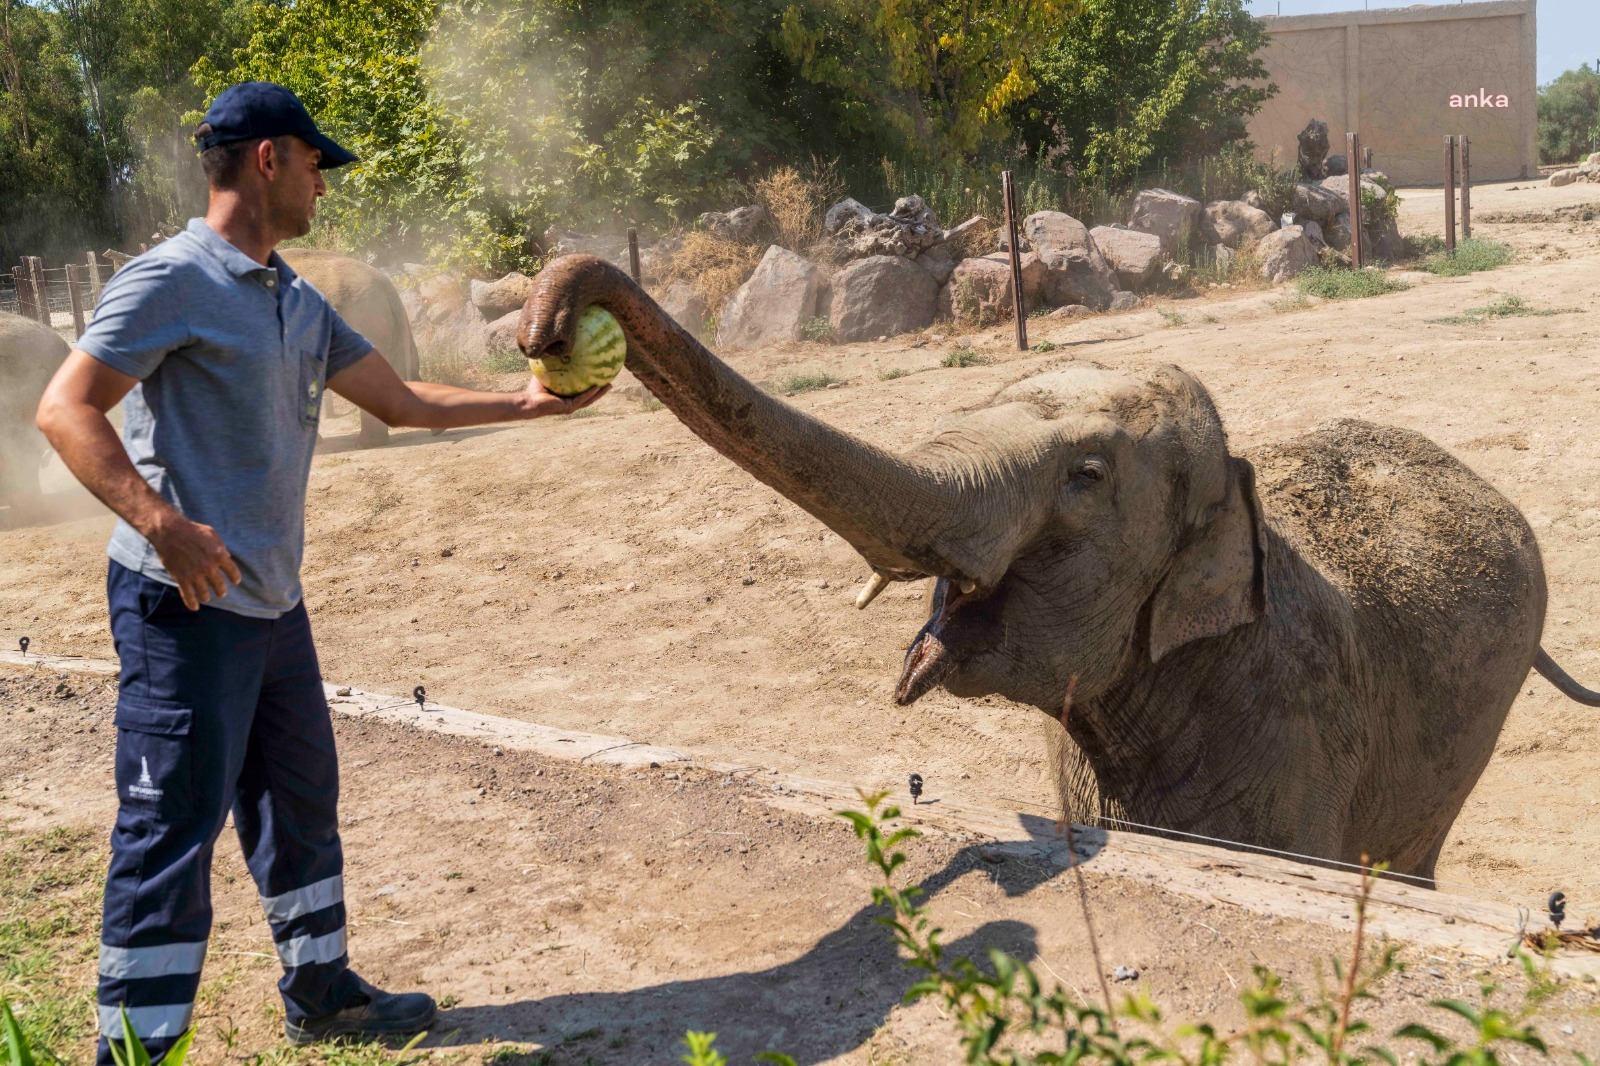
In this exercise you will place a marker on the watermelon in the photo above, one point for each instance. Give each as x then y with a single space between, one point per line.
595 357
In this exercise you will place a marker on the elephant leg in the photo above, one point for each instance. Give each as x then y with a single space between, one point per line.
373 434
19 471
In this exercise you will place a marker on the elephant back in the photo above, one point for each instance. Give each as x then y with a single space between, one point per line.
30 355
364 298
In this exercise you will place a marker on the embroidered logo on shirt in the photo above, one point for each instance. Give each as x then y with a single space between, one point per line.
145 788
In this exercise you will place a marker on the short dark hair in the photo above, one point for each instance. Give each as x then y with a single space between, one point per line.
222 163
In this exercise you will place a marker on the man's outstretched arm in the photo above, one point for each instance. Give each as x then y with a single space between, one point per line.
72 416
372 385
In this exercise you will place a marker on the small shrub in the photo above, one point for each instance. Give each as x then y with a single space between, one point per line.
1420 247
965 357
819 330
1471 257
806 381
1046 346
715 266
896 372
503 362
1347 284
1209 320
1170 317
797 200
1294 301
650 403
1507 306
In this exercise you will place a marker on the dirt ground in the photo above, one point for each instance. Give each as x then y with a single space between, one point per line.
597 913
612 573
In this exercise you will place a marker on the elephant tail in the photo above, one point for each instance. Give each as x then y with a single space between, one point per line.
1562 680
407 362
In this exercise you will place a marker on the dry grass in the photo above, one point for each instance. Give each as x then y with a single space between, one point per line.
796 202
715 266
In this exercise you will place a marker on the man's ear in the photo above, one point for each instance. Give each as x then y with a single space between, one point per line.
1217 579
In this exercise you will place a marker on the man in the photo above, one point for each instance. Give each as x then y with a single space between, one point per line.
222 353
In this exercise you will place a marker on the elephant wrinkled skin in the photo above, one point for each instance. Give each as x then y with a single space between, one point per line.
30 355
368 301
1310 647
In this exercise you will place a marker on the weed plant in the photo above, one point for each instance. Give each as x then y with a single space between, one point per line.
1471 256
1347 284
806 381
1507 306
963 357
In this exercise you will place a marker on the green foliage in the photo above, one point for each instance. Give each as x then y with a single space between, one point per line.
806 381
1379 211
1507 306
1170 317
816 329
1126 82
1347 284
1471 256
1569 116
963 357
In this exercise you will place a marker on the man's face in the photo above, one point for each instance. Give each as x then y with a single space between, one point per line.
293 187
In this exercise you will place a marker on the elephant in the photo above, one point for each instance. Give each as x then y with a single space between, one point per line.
368 301
30 355
1309 647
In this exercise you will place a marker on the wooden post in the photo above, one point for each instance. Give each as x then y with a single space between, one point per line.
75 294
24 280
94 281
1008 194
1366 159
1352 142
41 292
633 255
1449 194
1466 189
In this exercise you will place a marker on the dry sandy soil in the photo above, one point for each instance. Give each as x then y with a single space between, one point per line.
612 573
597 913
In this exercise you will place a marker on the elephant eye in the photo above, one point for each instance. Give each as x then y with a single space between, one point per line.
1089 470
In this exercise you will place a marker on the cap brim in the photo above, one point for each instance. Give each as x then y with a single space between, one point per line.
332 154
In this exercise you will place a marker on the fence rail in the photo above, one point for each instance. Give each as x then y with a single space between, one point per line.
60 297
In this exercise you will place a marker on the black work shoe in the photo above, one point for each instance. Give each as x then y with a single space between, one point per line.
372 1012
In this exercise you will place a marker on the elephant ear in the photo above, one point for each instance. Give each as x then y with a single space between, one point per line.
1217 580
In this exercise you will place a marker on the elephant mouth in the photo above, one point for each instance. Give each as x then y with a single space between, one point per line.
936 652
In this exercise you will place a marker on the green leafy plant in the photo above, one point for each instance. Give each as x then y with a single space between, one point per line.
806 381
1471 256
1347 284
819 330
1507 306
506 362
1170 317
963 357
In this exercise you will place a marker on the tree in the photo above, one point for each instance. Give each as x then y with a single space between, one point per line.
1569 116
943 73
1129 82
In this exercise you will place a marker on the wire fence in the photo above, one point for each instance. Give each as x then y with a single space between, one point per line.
61 297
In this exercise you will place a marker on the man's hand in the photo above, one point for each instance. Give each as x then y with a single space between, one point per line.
542 402
195 557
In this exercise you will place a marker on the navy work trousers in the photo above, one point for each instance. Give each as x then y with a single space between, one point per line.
216 711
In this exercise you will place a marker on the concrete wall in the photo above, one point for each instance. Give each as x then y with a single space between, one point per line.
1389 75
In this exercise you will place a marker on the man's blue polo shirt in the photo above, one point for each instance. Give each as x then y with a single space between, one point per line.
231 358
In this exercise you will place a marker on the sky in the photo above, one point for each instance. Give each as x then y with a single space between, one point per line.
1569 30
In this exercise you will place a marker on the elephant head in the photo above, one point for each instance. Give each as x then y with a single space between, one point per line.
1075 522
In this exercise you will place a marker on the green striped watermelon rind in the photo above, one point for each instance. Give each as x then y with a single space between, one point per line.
598 350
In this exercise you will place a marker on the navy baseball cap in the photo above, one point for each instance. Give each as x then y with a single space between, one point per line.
254 109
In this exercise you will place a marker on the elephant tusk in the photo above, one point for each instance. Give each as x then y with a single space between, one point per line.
869 592
968 588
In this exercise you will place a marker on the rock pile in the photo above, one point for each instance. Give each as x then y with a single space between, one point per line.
1587 171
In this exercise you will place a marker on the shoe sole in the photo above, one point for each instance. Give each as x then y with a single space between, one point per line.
302 1037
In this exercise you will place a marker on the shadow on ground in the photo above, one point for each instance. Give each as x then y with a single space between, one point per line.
816 1007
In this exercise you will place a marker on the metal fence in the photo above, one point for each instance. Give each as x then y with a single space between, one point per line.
62 297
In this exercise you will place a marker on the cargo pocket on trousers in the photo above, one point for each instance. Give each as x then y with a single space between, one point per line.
154 755
312 368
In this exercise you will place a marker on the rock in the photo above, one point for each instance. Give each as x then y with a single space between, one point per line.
974 237
978 292
912 211
882 295
1077 272
1168 215
782 295
1235 224
938 262
441 296
1034 277
1564 177
1318 203
1594 157
1285 253
1386 242
687 307
501 336
1313 234
496 298
741 224
1314 150
1125 973
1589 171
1124 301
1255 200
1134 254
1071 311
842 212
1337 165
341 691
1220 256
1337 232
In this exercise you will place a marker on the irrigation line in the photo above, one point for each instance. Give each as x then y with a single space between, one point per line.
1418 880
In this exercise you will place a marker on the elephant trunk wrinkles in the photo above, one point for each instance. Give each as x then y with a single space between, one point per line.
906 518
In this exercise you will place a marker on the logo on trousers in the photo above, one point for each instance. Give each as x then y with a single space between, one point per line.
144 788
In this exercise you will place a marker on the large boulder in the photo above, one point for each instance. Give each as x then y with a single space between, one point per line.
1568 176
742 224
500 336
1169 215
1319 203
909 229
496 298
441 296
1314 150
1235 224
938 262
683 302
1035 278
972 238
1285 253
844 211
1134 254
881 296
979 291
782 295
1077 273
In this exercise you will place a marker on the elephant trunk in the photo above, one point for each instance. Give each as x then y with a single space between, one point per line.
906 517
